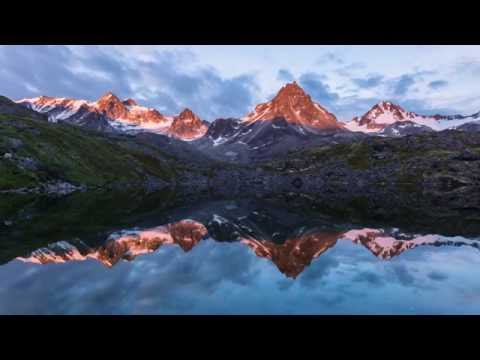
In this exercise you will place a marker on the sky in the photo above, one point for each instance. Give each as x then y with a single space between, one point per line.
228 81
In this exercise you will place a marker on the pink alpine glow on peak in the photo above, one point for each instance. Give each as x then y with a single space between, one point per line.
386 113
297 107
130 102
187 126
124 115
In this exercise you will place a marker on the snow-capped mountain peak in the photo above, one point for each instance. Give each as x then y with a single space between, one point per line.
109 96
187 115
124 115
384 114
294 105
111 106
187 126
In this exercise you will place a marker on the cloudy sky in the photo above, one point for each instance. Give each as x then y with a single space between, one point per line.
227 81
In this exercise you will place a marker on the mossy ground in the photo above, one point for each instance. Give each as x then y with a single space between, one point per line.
72 154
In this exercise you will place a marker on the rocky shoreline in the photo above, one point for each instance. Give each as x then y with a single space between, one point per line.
438 174
433 173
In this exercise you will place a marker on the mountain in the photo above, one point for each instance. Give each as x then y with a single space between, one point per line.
294 105
462 122
109 114
223 130
291 120
123 115
288 122
235 140
458 117
92 120
129 112
454 121
129 102
471 126
187 126
385 114
8 107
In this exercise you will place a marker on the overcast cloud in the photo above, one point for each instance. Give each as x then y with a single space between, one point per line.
228 81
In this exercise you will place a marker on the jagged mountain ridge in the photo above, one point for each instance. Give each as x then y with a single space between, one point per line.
302 116
40 157
291 121
109 113
386 114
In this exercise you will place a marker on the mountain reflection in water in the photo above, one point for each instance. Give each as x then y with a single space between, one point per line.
135 255
290 257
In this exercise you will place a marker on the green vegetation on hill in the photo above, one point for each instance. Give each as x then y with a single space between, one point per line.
33 151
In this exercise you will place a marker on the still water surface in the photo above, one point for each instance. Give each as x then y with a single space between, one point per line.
227 257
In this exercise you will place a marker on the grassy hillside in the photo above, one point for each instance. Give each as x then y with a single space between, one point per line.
33 151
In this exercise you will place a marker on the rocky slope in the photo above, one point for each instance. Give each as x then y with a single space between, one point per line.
403 128
236 141
9 108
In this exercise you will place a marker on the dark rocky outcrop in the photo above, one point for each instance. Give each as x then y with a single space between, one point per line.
472 126
241 142
8 107
404 128
437 174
